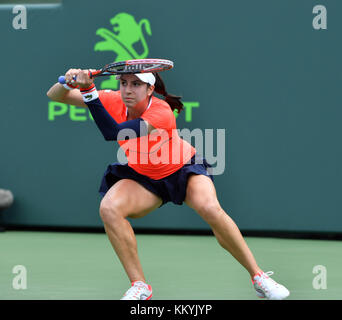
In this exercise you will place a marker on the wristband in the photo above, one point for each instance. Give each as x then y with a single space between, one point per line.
90 93
69 86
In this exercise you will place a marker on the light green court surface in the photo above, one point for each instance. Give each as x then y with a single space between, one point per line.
84 266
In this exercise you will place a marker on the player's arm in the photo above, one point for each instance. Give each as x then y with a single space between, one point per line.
87 95
110 129
59 93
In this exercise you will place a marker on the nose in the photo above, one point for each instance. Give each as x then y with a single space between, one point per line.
129 88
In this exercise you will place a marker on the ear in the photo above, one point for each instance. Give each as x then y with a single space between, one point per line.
150 90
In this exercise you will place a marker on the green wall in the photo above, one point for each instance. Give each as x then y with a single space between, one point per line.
257 69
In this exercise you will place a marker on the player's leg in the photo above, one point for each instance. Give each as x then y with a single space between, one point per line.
201 196
126 198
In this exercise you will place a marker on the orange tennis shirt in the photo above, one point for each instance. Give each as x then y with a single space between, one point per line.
160 153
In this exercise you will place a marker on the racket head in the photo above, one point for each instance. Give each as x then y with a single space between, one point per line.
134 66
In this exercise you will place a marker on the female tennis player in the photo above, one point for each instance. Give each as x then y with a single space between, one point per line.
135 189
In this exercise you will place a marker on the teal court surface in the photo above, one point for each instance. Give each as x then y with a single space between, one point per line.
83 266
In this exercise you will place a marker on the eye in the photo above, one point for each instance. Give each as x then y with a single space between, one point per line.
123 82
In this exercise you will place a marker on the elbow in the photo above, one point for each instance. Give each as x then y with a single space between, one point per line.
109 135
110 138
50 95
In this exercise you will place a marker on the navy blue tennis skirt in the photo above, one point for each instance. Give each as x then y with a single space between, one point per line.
171 188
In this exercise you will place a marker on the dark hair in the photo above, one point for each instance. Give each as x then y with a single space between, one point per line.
174 101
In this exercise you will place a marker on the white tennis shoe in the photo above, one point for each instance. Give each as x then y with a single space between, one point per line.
138 291
266 287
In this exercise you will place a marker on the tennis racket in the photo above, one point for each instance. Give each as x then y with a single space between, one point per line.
129 67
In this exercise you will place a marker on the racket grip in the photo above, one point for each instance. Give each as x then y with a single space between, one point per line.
61 79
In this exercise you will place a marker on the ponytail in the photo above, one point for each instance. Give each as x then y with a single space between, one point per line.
174 101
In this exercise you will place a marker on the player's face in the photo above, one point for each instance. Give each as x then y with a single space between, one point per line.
134 92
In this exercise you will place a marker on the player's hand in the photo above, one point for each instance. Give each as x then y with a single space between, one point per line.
82 77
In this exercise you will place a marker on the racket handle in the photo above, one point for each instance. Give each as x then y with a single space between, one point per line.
61 79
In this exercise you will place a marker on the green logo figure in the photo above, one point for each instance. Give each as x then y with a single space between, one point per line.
125 39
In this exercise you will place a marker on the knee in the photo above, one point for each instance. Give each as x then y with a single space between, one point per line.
111 211
210 211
